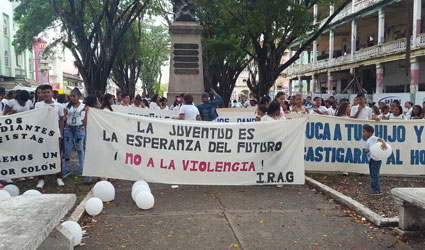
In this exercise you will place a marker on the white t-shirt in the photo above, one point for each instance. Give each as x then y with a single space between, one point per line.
58 107
3 105
369 143
321 109
365 114
400 117
75 116
409 112
190 112
240 105
14 104
267 118
154 105
331 111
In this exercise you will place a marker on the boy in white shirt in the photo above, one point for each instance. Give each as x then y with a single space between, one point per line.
374 164
317 108
361 111
48 101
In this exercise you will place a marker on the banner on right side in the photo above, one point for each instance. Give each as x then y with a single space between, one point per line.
336 144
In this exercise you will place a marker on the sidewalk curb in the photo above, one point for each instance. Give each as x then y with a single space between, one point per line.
81 208
353 204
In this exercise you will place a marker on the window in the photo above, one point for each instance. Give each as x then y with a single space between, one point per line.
6 58
5 26
31 65
19 60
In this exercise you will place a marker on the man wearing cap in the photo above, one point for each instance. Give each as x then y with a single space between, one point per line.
207 109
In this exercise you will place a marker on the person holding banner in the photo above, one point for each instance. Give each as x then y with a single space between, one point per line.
107 102
374 164
20 104
317 108
188 111
74 131
243 103
397 114
208 108
273 113
361 111
155 102
48 101
417 113
299 108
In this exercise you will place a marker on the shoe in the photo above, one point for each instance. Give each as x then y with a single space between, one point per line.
40 184
66 174
22 179
8 181
30 178
374 193
60 182
279 185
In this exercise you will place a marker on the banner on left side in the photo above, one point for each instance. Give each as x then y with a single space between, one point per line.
194 153
29 144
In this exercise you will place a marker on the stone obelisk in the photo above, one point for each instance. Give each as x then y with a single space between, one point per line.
186 71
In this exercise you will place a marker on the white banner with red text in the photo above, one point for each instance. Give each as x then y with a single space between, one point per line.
29 144
180 152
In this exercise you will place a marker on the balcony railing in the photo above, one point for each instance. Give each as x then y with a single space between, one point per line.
385 49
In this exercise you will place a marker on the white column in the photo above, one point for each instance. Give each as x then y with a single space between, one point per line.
338 86
381 26
315 12
330 82
300 85
331 45
353 38
290 87
331 9
414 75
417 5
379 78
301 59
314 84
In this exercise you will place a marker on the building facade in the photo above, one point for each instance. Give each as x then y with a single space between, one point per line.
364 50
15 68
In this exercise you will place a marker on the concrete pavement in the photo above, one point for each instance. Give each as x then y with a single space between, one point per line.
226 217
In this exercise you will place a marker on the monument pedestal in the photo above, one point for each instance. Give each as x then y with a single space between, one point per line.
186 70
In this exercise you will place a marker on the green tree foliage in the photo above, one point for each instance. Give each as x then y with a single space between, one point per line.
224 56
154 53
92 30
270 26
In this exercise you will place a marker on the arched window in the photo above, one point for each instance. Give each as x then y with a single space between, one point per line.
6 58
5 26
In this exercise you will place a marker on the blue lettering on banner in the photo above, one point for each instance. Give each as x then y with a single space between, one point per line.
417 157
390 99
418 131
398 133
331 154
318 131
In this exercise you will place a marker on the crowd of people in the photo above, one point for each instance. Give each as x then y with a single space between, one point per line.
71 112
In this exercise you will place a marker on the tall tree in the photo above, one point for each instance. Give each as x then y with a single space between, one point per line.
154 53
92 30
271 27
223 52
127 66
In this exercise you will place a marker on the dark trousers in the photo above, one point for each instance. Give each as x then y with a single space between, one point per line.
374 167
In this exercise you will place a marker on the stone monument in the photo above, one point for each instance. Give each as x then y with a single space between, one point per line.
186 70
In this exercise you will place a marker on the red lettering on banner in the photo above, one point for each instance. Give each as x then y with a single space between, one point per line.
235 167
218 166
194 166
244 166
210 169
185 164
172 165
150 163
251 166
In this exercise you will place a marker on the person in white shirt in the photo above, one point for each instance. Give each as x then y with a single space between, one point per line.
155 102
273 113
243 103
397 114
125 100
2 99
137 102
48 101
20 104
409 109
74 132
331 110
299 107
188 111
163 103
317 108
361 111
107 102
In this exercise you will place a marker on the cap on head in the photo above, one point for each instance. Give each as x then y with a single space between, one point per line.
204 95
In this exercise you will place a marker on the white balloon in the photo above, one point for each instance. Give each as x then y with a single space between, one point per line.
145 200
137 190
12 189
138 183
4 195
104 190
94 206
75 229
378 153
32 192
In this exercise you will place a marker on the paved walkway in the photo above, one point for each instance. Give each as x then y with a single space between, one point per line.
215 217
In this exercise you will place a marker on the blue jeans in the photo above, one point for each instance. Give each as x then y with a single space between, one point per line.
73 134
374 167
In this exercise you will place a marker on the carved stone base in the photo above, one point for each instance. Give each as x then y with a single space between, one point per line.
186 71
